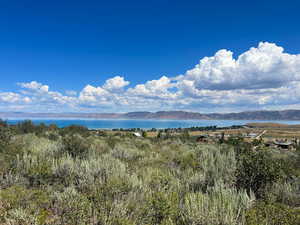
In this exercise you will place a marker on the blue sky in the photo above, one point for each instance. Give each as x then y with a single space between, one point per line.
107 56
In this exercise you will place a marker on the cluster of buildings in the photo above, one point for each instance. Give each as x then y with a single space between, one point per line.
288 144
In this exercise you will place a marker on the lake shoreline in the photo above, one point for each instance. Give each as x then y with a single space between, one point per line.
109 124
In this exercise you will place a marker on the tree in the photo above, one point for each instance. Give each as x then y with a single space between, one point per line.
26 126
144 134
222 139
159 134
75 129
256 170
76 145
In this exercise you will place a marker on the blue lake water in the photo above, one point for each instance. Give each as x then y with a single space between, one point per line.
145 124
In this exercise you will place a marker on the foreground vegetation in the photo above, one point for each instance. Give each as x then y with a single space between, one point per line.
73 176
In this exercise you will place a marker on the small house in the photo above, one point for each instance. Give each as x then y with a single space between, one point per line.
250 135
283 144
202 139
137 134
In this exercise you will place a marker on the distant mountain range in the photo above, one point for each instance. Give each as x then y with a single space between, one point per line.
176 115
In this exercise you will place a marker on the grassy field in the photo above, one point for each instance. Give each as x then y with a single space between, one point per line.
73 176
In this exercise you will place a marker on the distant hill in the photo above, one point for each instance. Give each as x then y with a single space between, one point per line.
273 125
166 115
176 115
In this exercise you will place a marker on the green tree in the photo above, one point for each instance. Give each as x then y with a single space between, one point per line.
159 134
26 126
76 145
144 134
258 169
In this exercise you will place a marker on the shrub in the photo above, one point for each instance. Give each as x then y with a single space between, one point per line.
185 135
9 179
219 206
75 129
186 159
216 165
10 148
256 170
129 154
63 170
37 170
52 135
76 145
272 214
159 180
123 180
39 146
235 141
71 207
144 134
5 137
162 207
285 193
26 127
23 206
35 160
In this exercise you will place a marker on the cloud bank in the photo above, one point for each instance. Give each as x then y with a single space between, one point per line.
264 77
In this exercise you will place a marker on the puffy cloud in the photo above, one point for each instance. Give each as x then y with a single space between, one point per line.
115 84
154 88
33 85
9 97
92 94
37 94
109 94
13 98
266 66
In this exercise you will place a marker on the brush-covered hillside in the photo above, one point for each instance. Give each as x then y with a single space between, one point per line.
73 176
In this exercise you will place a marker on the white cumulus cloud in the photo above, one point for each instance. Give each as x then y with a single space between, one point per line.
154 88
9 97
266 66
116 83
33 85
91 94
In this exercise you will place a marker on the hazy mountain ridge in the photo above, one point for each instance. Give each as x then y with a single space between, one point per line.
180 115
